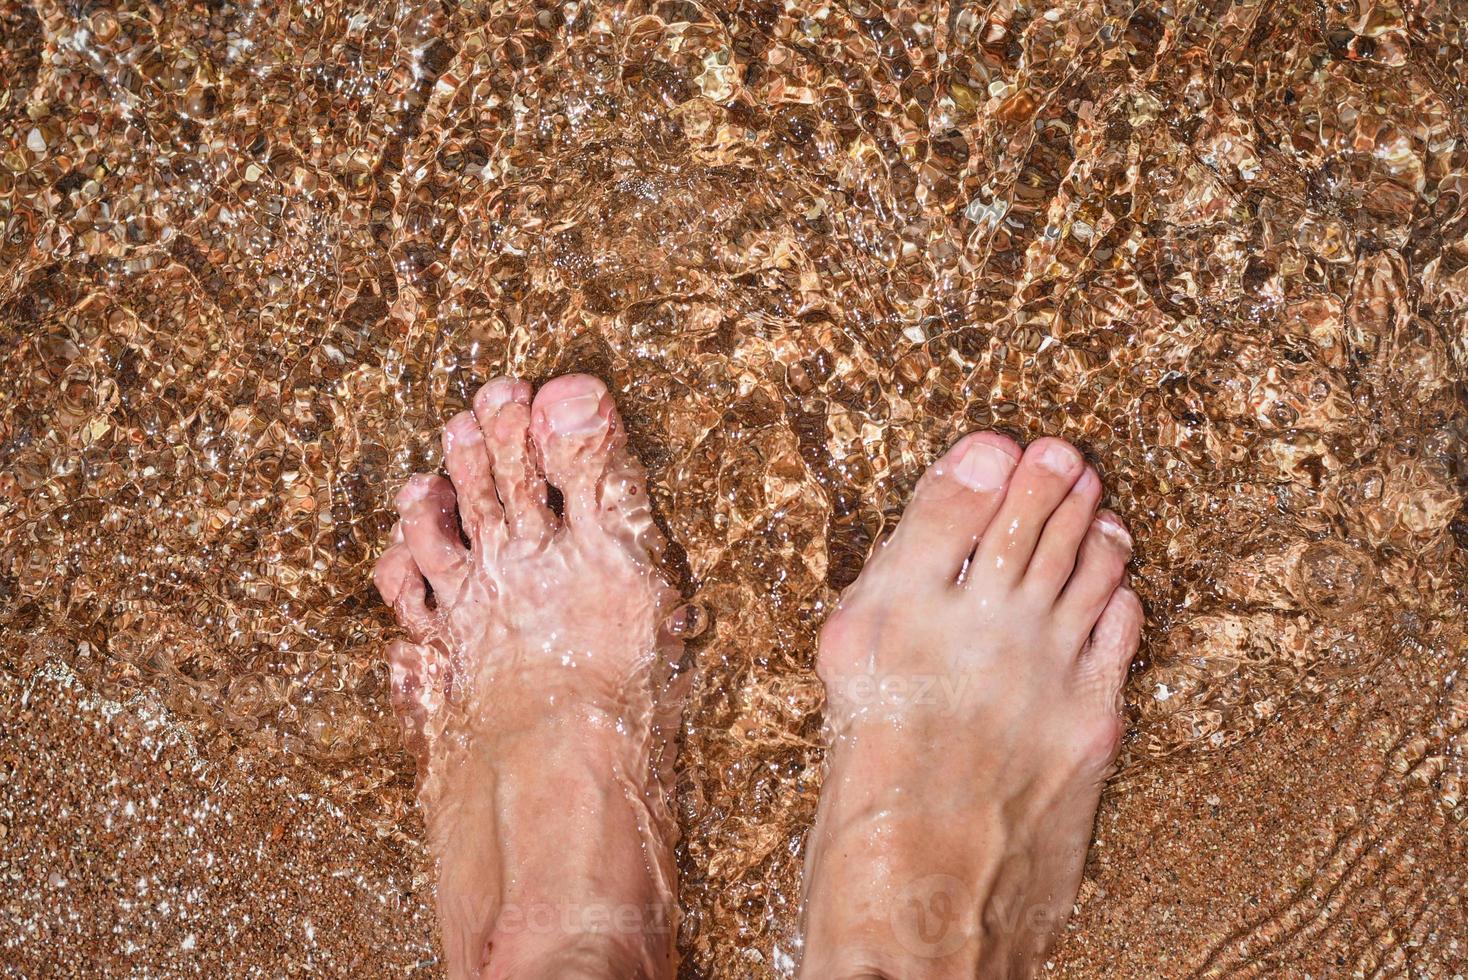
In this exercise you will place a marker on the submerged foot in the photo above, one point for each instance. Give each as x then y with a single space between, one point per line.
973 675
537 688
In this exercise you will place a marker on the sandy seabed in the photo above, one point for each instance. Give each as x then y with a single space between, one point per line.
254 255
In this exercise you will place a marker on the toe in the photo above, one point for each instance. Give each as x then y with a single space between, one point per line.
496 394
1055 553
1113 644
503 409
583 449
431 532
954 502
467 462
401 586
1100 566
571 425
1041 481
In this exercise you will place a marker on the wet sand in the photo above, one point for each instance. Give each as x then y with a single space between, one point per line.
253 259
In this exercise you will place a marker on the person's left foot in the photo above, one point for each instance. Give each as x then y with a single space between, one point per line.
538 689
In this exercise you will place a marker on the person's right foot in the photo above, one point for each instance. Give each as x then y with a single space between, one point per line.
973 676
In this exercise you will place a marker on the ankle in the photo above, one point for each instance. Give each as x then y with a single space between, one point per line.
638 950
934 927
878 906
548 895
856 963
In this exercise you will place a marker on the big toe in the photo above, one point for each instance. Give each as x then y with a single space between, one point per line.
503 409
583 449
571 423
954 502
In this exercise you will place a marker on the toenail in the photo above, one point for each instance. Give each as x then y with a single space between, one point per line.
1112 528
414 490
1057 457
577 415
1088 482
983 467
461 429
495 394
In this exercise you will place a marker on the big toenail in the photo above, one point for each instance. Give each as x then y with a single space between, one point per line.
983 467
577 415
1057 457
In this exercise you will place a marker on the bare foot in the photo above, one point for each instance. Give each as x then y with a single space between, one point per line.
973 675
538 691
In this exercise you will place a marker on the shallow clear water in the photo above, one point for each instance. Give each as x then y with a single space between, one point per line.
253 257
